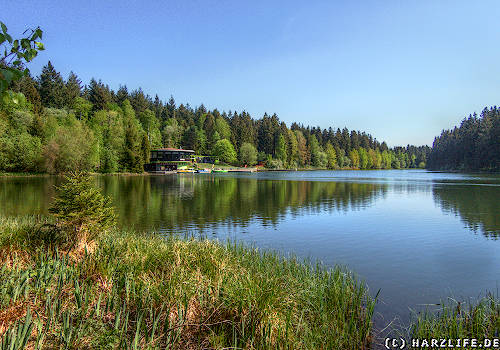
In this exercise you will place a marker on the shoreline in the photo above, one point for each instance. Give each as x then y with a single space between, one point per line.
235 169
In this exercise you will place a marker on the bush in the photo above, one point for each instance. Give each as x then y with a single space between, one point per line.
274 164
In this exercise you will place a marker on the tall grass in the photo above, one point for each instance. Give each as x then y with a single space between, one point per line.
454 320
142 291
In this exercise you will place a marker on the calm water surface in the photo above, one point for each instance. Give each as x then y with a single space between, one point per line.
418 236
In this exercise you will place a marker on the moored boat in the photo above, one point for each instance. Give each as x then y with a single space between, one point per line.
185 171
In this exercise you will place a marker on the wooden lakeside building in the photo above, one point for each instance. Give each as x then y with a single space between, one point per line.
172 159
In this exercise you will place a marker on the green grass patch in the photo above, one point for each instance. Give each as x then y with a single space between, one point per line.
145 291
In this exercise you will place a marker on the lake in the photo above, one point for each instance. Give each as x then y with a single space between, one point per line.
418 236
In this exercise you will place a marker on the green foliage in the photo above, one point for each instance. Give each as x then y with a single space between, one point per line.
281 149
71 148
318 157
354 156
304 155
132 156
11 158
81 209
248 154
364 161
331 156
293 151
16 53
171 133
82 107
28 87
222 128
274 164
224 150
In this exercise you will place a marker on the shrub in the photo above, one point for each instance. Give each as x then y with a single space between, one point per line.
274 164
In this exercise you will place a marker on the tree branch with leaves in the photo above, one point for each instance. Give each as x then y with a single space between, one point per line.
16 53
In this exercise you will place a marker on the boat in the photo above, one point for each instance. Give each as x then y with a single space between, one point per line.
185 171
220 171
204 171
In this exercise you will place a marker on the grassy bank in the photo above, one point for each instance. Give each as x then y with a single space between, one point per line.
136 291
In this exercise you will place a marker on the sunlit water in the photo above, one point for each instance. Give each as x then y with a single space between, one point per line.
418 236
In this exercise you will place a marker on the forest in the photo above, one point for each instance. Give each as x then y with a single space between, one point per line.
474 145
49 124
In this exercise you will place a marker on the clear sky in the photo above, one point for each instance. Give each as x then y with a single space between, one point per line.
400 70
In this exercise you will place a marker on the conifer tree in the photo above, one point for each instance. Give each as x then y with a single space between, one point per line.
73 89
99 95
81 210
51 87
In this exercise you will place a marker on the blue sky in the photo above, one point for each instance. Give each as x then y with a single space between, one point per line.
400 70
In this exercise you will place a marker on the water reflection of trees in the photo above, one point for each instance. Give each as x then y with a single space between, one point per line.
26 195
199 202
477 206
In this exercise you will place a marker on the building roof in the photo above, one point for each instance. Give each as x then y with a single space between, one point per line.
173 150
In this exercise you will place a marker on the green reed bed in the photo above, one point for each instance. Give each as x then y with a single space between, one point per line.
134 291
454 320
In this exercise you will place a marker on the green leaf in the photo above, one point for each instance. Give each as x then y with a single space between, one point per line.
4 27
40 45
25 43
17 73
8 37
7 75
2 38
27 56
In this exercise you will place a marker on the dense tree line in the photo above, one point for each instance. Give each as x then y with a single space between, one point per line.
474 145
51 124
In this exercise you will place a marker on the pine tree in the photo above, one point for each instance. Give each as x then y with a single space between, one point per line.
99 95
73 89
122 94
51 87
171 107
139 101
81 210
